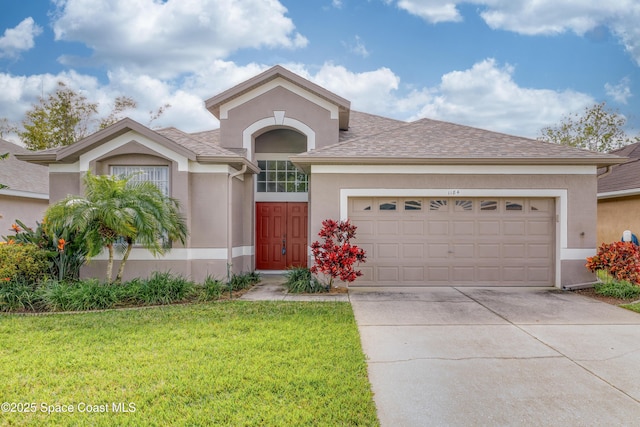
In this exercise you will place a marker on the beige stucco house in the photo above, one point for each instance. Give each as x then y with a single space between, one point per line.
435 203
27 195
619 196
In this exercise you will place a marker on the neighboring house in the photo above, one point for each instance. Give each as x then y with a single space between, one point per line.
27 195
619 196
435 203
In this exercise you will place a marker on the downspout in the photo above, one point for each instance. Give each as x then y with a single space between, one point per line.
230 219
606 172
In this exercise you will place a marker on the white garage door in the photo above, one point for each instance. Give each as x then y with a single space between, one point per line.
456 241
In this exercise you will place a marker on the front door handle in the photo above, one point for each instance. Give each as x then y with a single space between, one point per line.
284 245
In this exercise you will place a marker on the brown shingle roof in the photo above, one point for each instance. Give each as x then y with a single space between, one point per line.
197 143
364 124
625 176
19 175
432 141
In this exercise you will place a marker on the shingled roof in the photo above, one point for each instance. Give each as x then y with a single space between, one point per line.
21 176
429 141
624 177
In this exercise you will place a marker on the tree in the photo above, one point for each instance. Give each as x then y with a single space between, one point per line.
66 116
336 256
120 212
61 119
597 129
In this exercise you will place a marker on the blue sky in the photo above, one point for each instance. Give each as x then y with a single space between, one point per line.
512 66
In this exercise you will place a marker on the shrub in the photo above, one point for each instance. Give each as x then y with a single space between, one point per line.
83 295
300 280
620 259
336 256
22 262
211 289
242 281
19 295
610 287
160 288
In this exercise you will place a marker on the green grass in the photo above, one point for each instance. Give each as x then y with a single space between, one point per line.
228 363
633 307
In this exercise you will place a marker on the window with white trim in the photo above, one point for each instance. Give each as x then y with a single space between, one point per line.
281 176
159 175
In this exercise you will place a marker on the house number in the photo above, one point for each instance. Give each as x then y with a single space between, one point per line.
453 192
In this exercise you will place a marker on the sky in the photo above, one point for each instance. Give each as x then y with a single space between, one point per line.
512 66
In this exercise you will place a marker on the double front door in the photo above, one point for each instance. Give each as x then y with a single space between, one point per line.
281 235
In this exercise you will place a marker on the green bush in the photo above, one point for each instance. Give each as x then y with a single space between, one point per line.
23 262
211 289
160 288
300 280
242 281
612 287
83 295
19 295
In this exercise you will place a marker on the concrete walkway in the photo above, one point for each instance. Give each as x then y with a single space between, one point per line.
496 356
271 288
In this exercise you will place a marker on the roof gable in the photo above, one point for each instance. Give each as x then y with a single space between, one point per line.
278 76
623 179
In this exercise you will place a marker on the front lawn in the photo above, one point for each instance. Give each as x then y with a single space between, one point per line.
229 363
633 307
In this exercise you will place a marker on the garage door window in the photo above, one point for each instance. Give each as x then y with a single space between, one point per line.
413 205
388 206
463 205
438 205
511 205
489 205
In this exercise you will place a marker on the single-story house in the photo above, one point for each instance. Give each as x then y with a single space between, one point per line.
619 196
27 194
435 203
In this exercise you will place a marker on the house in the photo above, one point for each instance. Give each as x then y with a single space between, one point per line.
435 203
27 194
619 196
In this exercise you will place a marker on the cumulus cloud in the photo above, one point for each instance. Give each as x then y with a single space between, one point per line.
486 96
174 36
19 39
620 92
542 17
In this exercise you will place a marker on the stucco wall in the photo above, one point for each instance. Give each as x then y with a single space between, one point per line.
24 209
278 99
617 215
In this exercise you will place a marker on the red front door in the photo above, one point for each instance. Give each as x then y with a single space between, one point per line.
281 235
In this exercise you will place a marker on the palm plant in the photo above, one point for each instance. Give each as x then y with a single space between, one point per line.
119 209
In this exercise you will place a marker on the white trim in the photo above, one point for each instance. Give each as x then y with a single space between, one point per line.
195 167
281 197
64 167
183 254
619 193
247 134
277 82
576 254
131 136
24 194
456 169
561 196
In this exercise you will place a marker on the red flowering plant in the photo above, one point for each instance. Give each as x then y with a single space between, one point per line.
336 256
620 259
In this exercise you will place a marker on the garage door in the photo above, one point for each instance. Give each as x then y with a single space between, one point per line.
456 241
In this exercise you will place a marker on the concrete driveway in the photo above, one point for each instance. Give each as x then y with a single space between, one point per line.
498 356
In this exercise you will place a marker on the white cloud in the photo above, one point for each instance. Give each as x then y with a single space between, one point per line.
20 38
486 96
620 92
433 11
168 38
542 17
337 4
357 47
